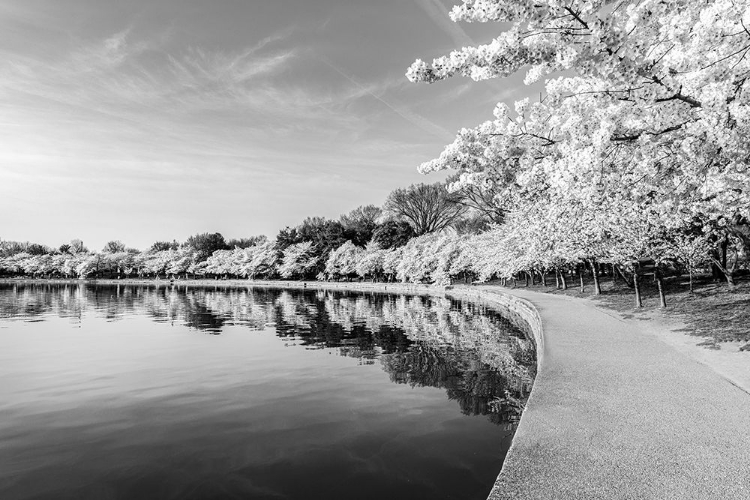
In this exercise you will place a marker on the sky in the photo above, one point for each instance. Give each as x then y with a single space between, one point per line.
152 120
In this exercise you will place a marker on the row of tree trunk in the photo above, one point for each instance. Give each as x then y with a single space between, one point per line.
633 281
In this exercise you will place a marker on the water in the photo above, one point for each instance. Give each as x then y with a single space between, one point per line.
132 392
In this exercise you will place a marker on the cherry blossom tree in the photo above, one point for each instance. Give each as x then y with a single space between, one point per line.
371 262
645 106
391 260
343 260
298 260
262 260
180 261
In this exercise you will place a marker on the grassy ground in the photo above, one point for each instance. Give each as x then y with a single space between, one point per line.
713 311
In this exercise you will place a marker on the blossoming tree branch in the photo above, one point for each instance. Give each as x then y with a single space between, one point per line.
640 139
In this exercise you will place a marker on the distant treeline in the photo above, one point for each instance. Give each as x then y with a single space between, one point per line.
369 242
422 234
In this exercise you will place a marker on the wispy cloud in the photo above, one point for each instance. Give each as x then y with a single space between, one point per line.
392 104
119 76
219 77
439 15
109 54
119 99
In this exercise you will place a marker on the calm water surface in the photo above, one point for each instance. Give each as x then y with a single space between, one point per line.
134 392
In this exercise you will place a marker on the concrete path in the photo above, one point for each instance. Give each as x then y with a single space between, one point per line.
615 413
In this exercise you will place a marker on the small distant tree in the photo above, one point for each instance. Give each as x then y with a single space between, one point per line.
360 223
64 248
160 246
11 248
77 246
114 246
427 207
247 242
205 244
392 234
286 237
37 249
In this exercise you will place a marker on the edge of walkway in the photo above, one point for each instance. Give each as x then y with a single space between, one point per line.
616 412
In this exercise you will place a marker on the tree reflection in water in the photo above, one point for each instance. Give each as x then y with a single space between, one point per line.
482 360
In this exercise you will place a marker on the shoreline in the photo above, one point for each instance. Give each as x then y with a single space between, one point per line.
731 365
236 283
564 340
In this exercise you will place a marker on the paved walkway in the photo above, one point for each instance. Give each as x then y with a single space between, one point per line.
615 413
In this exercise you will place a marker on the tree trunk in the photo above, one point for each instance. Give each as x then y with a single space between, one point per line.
728 273
614 275
624 278
637 287
562 280
580 276
557 278
690 275
660 285
719 258
597 285
730 280
544 279
526 277
716 272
